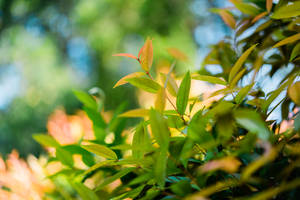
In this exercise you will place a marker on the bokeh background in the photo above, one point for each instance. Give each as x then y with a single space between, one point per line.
50 47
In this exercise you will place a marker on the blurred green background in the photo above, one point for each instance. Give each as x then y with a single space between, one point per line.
49 47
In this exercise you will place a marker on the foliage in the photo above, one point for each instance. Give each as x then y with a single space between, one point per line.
187 147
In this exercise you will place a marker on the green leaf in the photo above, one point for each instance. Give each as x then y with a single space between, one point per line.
86 99
275 94
197 131
287 11
246 8
101 150
159 129
239 63
99 124
64 156
252 121
98 165
84 192
87 157
295 52
116 176
140 141
243 93
210 79
160 167
46 140
183 93
144 84
181 188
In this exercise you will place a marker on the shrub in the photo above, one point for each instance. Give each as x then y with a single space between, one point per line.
197 148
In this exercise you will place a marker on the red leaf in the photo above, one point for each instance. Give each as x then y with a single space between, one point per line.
126 55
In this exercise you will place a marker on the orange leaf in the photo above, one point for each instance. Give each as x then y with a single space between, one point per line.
146 55
177 54
228 18
126 55
269 4
123 81
258 17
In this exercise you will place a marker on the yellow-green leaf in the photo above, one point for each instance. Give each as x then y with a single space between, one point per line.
183 93
46 140
123 81
101 150
135 113
239 63
160 101
295 52
287 11
210 79
159 128
237 78
146 55
144 84
246 8
288 40
171 84
294 92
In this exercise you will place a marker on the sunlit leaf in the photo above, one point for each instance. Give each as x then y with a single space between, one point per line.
287 40
146 55
210 79
123 81
228 18
287 11
160 101
239 63
144 84
101 150
159 128
269 4
126 55
183 93
116 176
177 54
294 92
136 113
46 140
